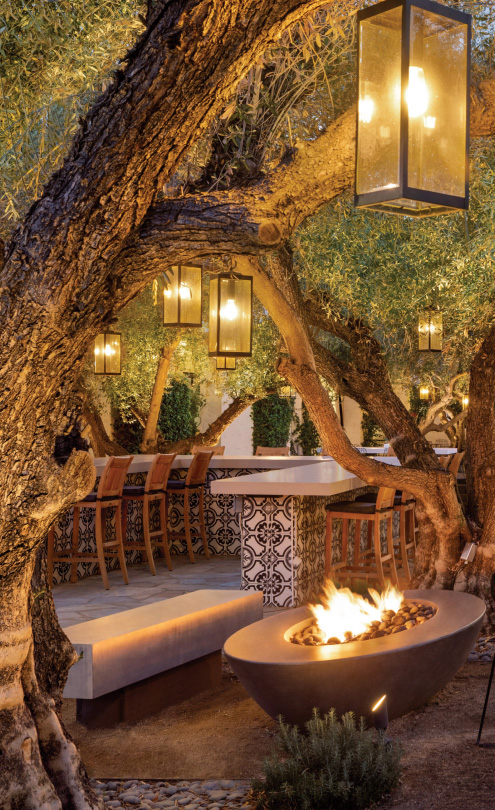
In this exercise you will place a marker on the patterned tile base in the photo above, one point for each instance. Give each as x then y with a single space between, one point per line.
222 525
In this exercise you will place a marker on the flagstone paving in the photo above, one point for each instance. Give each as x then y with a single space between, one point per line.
87 598
211 794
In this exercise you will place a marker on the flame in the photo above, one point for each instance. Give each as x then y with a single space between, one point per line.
344 612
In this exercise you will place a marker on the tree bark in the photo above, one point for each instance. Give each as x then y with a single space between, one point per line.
149 442
214 431
101 442
61 284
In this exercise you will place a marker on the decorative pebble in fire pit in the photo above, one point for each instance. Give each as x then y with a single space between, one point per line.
406 617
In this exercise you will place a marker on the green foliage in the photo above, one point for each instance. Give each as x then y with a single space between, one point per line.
271 417
372 433
306 434
127 432
336 764
178 412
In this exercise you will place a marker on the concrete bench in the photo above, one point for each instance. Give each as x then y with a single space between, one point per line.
139 661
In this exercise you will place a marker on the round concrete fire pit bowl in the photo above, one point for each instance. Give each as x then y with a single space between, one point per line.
409 667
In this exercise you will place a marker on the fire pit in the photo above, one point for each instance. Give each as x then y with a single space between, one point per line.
409 667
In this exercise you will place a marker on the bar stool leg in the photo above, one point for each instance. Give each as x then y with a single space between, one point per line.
75 545
390 550
120 545
187 526
345 540
357 542
328 544
146 530
49 556
163 526
99 531
202 523
378 550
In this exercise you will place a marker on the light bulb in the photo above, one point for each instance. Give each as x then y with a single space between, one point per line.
366 107
416 93
185 291
108 350
429 121
230 311
97 351
167 293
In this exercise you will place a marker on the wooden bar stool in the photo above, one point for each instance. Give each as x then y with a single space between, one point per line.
405 504
155 489
272 451
109 494
192 484
217 450
369 564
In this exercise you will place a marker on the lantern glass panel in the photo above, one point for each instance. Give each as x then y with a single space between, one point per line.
377 165
230 316
430 331
226 363
213 320
100 354
182 305
436 99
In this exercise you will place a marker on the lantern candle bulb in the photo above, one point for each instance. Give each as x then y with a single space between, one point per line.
417 92
230 310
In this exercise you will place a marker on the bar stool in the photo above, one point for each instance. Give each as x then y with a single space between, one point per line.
369 564
217 450
109 494
192 484
155 489
271 451
405 504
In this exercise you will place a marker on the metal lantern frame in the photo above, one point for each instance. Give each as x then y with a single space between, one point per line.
107 335
179 323
231 277
382 200
222 363
427 316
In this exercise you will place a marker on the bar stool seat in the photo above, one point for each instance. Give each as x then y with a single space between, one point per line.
181 484
155 489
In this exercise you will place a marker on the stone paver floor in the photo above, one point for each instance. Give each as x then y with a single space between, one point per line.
87 598
211 794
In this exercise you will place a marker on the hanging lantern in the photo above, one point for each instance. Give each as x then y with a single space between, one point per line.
413 108
231 316
430 330
182 299
424 392
465 402
226 363
107 353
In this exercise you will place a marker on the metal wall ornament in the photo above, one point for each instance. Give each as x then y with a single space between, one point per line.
182 298
226 363
108 353
230 316
412 145
430 330
287 392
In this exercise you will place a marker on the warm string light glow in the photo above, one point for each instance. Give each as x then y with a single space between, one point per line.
230 311
343 612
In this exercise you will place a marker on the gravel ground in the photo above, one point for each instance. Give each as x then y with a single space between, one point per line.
211 794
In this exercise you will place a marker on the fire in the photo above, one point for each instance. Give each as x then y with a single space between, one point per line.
344 614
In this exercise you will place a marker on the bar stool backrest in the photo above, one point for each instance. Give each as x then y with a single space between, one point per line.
113 477
217 450
159 472
196 475
445 460
456 462
385 498
272 451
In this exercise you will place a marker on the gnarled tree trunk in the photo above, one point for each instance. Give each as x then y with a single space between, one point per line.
149 442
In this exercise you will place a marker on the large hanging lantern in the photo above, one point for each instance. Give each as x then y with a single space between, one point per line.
413 108
430 330
182 298
226 363
424 392
231 316
107 353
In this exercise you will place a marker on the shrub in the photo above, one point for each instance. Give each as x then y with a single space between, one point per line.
306 434
271 421
336 765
